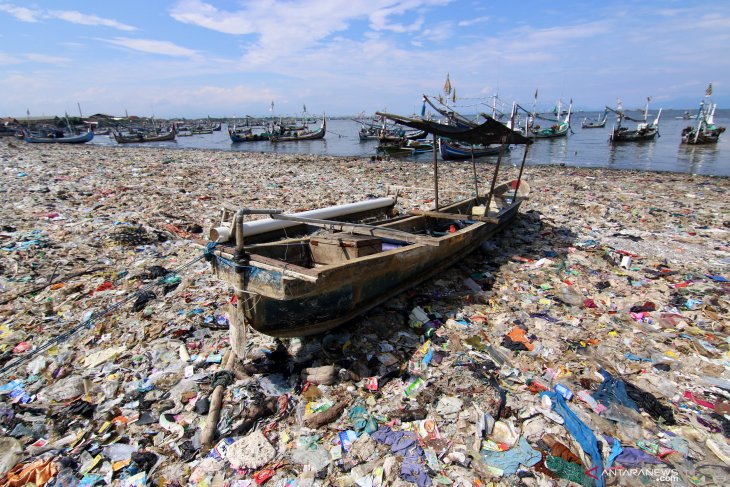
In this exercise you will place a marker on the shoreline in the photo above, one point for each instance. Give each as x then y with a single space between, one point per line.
67 210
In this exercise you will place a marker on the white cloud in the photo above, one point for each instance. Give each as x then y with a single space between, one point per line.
46 59
6 58
476 20
151 46
437 33
285 28
86 19
29 15
21 13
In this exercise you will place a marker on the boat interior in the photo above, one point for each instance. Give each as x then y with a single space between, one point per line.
311 243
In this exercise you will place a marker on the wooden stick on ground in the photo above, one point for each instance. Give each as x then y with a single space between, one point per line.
216 401
239 339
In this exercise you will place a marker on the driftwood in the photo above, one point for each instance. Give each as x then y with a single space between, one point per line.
326 417
214 413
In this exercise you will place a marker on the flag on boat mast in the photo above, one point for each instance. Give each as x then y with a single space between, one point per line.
708 91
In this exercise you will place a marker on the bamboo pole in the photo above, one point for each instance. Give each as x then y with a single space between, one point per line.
435 174
522 167
474 169
496 172
214 413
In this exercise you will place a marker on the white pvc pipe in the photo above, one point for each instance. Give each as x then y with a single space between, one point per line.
262 226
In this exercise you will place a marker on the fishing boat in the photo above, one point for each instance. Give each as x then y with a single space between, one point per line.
142 137
705 131
245 134
416 135
304 134
405 147
452 150
558 127
378 129
599 123
303 273
58 138
685 116
644 130
368 132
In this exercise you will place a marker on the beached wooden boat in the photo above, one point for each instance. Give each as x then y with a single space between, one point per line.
308 284
304 134
305 273
451 150
644 131
55 139
140 137
705 131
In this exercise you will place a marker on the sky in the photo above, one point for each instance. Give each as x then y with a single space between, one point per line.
196 58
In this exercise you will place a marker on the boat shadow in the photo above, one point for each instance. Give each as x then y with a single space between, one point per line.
381 344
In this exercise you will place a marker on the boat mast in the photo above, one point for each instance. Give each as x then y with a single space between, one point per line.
531 121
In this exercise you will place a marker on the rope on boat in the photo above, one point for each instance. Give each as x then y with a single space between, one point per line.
88 322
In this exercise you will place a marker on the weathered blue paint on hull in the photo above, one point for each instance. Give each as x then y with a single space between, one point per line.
349 290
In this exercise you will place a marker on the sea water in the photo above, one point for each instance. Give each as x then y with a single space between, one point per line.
582 148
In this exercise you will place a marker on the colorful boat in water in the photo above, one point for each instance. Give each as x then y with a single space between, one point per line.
58 138
705 131
303 134
558 127
142 137
245 134
644 130
452 150
599 123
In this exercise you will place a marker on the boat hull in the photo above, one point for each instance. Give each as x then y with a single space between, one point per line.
246 137
634 135
451 151
550 133
78 139
286 306
592 125
691 137
123 139
316 135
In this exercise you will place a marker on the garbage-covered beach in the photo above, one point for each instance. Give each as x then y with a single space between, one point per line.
586 344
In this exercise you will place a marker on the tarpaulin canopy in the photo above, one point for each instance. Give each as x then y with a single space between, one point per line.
490 132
